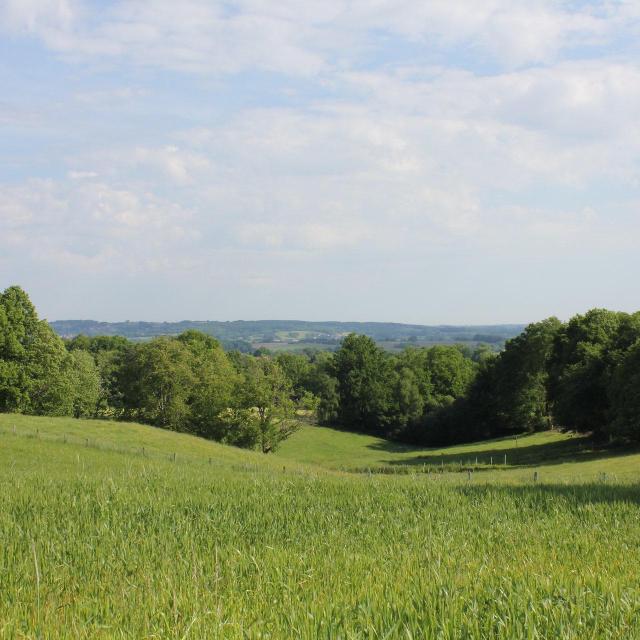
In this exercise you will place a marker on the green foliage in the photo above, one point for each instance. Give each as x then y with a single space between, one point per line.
396 395
36 373
570 374
520 380
155 379
450 374
363 372
266 403
624 395
297 368
585 353
574 375
86 384
214 380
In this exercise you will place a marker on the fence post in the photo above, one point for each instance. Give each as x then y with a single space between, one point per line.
491 460
535 476
143 453
505 459
87 442
468 474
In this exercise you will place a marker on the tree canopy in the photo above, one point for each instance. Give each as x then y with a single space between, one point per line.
582 375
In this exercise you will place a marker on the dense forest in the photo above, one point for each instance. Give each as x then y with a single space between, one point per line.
582 375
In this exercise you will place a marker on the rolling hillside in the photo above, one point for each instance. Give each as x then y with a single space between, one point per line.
296 330
121 530
312 449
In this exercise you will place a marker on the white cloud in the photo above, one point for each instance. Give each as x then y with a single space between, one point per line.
38 17
305 38
179 165
110 97
81 175
396 135
304 235
93 224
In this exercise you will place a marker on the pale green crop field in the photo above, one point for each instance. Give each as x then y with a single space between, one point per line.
98 540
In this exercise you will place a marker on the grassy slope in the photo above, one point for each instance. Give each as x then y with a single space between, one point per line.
555 454
132 439
101 543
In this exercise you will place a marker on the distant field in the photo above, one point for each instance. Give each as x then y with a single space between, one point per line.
388 346
104 533
294 346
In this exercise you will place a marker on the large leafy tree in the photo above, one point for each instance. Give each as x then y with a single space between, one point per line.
36 373
214 383
408 402
155 380
298 369
624 395
364 375
521 379
266 411
450 374
85 383
585 353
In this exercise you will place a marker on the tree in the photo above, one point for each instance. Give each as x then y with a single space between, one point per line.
297 368
363 372
521 379
86 387
624 395
266 407
214 382
156 379
408 400
35 369
585 353
450 373
18 322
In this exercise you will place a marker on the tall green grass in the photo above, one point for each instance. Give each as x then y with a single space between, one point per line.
105 543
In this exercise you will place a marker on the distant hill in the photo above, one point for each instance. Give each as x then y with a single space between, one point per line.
292 331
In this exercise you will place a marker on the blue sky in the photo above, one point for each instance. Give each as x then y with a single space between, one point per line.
429 162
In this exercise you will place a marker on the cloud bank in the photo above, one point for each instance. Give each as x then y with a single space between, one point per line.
401 160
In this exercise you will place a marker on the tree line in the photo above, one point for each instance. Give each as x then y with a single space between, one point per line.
582 375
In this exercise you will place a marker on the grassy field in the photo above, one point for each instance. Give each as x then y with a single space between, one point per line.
558 455
100 539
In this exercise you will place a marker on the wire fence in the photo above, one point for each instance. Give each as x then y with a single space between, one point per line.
146 452
470 468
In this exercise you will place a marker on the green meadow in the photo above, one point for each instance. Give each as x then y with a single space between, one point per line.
553 454
114 530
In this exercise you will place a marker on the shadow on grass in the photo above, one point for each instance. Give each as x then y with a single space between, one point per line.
544 495
579 449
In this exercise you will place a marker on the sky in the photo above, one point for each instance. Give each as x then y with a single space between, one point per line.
421 161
